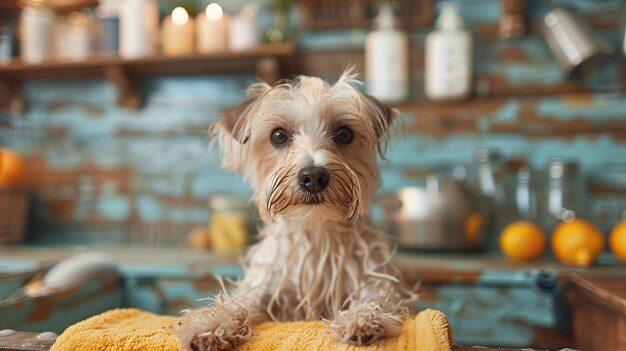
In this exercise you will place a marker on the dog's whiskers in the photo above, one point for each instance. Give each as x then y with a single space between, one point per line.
343 192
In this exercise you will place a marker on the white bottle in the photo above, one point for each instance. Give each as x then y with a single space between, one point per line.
448 57
243 32
387 59
139 27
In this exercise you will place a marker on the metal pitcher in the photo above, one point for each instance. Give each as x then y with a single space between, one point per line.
578 49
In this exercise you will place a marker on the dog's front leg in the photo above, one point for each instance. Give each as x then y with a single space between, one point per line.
370 319
223 325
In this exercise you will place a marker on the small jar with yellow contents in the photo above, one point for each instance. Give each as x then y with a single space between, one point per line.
230 224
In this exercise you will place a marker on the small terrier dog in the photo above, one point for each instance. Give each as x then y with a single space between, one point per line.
309 149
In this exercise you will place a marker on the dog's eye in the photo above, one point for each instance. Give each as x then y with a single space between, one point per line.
343 135
279 137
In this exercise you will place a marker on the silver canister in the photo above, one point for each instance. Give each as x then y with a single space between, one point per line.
576 46
438 213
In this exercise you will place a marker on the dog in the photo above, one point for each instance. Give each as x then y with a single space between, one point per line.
309 150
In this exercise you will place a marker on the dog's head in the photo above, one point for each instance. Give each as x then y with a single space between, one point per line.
308 148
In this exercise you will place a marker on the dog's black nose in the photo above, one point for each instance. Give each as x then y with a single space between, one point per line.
313 178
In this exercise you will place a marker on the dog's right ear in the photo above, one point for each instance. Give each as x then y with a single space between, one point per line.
234 121
231 134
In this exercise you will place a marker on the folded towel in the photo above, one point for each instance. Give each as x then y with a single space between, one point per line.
135 330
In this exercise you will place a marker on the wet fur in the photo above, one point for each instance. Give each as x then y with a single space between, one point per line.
320 256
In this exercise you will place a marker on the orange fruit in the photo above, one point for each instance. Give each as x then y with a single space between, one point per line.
12 169
199 238
577 242
474 228
523 240
617 241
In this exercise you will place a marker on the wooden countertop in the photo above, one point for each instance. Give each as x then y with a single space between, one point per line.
458 268
431 268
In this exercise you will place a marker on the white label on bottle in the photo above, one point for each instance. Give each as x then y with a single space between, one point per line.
448 67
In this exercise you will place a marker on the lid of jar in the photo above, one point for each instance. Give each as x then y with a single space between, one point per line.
34 3
228 202
108 8
77 18
559 167
485 154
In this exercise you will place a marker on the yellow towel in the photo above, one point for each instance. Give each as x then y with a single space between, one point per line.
135 330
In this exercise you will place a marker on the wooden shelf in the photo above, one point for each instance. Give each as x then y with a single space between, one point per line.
271 62
60 6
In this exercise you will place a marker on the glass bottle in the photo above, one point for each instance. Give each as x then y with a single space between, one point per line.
37 22
108 13
6 44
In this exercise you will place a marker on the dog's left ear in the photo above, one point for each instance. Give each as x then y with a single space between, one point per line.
382 115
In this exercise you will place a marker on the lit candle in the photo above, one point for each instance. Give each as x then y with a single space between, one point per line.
244 31
177 33
212 30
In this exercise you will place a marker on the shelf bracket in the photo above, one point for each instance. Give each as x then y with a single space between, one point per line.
268 70
129 89
11 96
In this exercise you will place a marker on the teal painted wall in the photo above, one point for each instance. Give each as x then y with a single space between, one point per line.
112 175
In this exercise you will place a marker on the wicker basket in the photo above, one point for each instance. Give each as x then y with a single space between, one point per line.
13 212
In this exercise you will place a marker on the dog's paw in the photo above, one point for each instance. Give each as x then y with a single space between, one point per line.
224 325
356 328
212 332
368 320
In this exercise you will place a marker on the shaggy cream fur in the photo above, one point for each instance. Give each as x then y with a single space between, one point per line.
320 256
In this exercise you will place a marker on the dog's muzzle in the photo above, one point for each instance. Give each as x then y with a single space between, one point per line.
313 179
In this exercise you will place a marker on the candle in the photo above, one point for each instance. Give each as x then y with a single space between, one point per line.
244 29
212 30
177 33
139 21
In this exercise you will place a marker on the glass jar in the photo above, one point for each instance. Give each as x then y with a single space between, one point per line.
230 223
37 22
281 31
562 193
73 37
607 196
521 191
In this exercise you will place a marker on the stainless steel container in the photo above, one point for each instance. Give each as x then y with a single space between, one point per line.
443 215
577 48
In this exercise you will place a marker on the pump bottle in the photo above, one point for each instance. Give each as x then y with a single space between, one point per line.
387 59
448 71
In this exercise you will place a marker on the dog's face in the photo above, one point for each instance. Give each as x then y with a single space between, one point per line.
308 148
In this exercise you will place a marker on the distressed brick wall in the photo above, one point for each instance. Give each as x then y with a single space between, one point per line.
111 175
